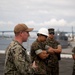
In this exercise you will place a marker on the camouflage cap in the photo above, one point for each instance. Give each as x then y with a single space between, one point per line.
22 27
51 30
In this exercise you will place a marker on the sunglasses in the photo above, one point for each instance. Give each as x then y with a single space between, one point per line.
52 33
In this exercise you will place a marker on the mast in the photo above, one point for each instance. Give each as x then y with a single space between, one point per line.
72 34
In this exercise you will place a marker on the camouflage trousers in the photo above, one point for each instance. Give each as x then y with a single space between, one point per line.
73 73
53 70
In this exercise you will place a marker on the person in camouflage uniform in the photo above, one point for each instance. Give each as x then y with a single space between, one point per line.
53 60
38 52
17 62
73 56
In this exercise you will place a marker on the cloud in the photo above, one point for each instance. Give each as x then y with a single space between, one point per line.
60 24
54 22
37 13
6 26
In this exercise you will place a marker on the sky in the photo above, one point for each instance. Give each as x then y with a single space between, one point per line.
58 14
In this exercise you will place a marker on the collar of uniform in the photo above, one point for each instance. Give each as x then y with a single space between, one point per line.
20 44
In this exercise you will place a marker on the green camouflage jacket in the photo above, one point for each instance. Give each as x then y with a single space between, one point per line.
17 61
41 63
73 50
53 60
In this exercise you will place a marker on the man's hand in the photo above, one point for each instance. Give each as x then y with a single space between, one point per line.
34 65
50 50
43 54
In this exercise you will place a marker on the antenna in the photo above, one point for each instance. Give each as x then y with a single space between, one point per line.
72 34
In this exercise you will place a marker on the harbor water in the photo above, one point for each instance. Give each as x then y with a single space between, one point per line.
4 42
65 64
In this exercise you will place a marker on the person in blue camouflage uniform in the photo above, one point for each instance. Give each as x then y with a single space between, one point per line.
73 56
53 60
17 62
38 52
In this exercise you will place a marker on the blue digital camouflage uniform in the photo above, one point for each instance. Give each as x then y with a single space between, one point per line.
73 51
53 60
17 61
41 63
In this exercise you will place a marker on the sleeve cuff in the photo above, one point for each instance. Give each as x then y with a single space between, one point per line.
38 51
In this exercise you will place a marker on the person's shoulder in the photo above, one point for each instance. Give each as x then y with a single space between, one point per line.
56 41
12 47
35 43
47 40
15 46
73 49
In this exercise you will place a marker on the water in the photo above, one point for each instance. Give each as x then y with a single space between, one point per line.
4 42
